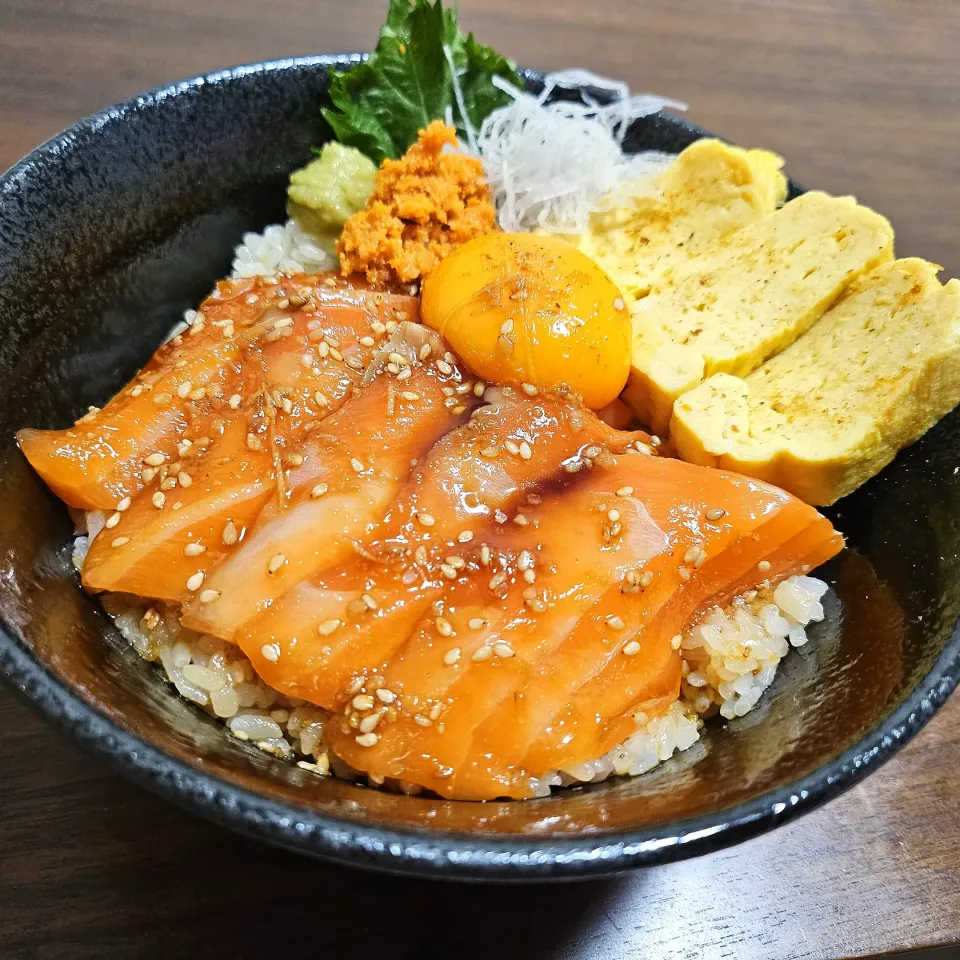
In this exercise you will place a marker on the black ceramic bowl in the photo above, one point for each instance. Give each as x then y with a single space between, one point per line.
111 230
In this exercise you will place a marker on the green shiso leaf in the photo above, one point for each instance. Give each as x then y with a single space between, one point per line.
380 105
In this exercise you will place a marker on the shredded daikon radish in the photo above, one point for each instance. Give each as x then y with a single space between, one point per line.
551 165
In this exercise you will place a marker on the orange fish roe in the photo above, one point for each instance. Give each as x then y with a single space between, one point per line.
424 205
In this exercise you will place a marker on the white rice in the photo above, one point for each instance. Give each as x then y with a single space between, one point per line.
281 248
729 659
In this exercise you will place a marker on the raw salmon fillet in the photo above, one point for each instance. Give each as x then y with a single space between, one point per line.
482 586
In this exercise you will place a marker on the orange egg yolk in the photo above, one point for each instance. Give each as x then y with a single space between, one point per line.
524 308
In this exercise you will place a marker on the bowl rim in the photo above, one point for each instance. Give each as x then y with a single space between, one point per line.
428 852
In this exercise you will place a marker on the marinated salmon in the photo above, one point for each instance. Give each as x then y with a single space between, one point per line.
242 337
517 676
313 642
481 586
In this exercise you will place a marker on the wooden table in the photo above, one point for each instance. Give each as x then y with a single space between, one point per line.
862 96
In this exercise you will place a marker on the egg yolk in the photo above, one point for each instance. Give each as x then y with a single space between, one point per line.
524 308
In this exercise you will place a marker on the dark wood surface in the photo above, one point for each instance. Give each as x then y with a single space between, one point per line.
861 96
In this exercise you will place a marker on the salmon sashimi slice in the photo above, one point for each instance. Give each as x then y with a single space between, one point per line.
470 483
502 619
757 539
303 360
352 470
499 724
154 545
99 460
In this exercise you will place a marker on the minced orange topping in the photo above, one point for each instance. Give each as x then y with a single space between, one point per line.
424 205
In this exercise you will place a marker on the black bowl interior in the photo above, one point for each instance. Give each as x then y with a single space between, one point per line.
106 235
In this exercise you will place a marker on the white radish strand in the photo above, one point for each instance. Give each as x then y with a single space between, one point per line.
550 165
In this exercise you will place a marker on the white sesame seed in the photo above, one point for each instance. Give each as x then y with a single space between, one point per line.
613 515
520 520
502 649
123 504
529 389
715 514
195 581
385 696
119 541
362 701
253 441
525 452
208 596
147 475
450 572
112 520
482 653
525 561
465 536
154 460
530 576
271 652
615 623
497 580
451 656
444 627
425 519
675 641
184 478
318 491
425 351
763 566
158 499
684 573
631 648
444 367
229 535
369 723
506 328
512 447
367 739
276 562
369 602
184 389
410 395
476 623
489 452
194 549
646 578
328 627
357 465
691 554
